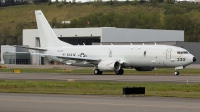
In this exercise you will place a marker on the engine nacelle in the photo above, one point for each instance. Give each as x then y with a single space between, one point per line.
109 65
145 68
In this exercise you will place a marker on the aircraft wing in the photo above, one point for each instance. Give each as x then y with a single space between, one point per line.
89 59
33 48
79 58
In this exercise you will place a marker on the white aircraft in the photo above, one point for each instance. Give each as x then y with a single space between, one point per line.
110 57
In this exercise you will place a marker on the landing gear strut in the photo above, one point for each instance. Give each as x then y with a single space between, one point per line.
119 72
176 73
178 68
97 72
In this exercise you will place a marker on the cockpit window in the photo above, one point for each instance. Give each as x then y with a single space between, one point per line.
182 52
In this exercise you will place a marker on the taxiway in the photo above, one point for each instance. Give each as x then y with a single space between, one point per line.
103 78
14 102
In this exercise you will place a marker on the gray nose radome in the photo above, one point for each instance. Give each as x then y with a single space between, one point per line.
194 59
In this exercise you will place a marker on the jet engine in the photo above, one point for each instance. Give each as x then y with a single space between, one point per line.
145 68
109 65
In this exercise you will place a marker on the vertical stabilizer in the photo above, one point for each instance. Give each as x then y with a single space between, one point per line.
47 36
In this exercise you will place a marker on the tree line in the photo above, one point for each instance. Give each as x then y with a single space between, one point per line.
174 18
169 17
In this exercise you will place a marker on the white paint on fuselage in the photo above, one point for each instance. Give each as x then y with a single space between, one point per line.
132 55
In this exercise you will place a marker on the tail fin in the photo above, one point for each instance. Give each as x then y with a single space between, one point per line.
47 36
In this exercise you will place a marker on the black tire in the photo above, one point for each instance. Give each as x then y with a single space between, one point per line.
96 71
100 72
119 72
176 73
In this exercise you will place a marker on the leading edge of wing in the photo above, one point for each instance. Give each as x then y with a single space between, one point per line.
79 58
70 57
33 48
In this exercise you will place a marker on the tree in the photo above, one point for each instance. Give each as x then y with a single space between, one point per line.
49 2
73 23
169 1
18 29
54 22
174 10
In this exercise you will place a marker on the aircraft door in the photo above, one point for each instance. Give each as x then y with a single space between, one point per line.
168 53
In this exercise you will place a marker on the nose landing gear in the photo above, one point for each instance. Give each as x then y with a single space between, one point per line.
178 68
176 73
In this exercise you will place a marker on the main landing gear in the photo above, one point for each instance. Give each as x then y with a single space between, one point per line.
119 72
97 72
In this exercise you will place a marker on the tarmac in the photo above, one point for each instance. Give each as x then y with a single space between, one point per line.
102 78
15 102
18 102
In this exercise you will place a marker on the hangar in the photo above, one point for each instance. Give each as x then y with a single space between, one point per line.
107 35
104 36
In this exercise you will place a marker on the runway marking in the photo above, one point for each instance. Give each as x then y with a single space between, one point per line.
111 104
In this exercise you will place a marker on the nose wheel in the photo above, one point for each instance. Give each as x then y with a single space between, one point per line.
176 73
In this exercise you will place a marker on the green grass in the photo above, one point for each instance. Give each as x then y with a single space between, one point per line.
158 71
98 88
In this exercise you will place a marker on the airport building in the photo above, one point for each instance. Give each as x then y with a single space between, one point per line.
14 55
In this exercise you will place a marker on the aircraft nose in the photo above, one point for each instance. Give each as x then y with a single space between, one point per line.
194 59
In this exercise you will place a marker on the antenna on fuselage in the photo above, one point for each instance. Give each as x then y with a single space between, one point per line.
84 44
131 43
100 44
155 44
143 43
111 43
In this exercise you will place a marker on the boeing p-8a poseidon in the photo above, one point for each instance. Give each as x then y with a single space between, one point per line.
110 57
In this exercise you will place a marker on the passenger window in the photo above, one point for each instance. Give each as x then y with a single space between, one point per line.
178 52
145 53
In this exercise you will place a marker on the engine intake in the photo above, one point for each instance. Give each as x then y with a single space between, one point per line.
109 65
145 68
